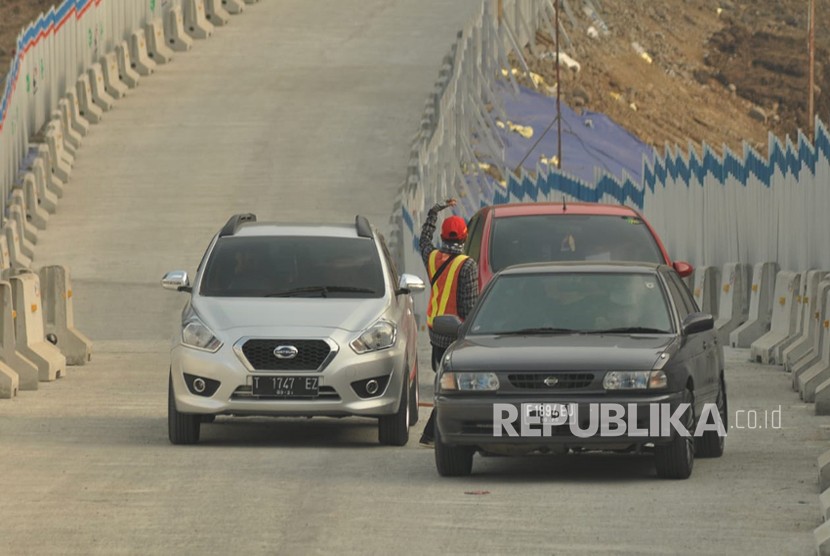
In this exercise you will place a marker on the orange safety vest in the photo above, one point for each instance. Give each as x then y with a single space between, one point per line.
443 300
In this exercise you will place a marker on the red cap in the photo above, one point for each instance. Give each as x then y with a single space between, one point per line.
454 228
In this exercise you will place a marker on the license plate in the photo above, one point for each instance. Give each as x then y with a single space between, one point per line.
286 386
555 413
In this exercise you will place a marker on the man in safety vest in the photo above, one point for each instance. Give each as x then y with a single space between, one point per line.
454 281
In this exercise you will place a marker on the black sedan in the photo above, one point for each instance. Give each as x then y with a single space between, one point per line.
561 357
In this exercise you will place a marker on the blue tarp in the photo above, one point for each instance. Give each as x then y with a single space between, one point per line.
590 140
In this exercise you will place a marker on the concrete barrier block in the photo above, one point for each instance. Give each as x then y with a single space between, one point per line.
810 307
9 382
26 247
26 371
733 304
176 36
706 289
821 534
100 96
72 140
126 72
59 315
89 109
233 7
17 259
78 122
52 180
72 134
813 353
61 161
824 471
814 368
216 13
786 289
760 306
141 61
824 503
29 332
112 81
17 209
795 323
5 257
37 213
822 398
157 47
48 198
195 20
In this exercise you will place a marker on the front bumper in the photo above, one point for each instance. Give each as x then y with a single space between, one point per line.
469 421
337 398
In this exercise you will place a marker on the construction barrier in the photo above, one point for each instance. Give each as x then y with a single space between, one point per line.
29 333
733 305
25 369
809 309
783 317
59 315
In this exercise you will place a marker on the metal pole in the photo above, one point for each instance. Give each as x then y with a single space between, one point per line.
558 97
812 47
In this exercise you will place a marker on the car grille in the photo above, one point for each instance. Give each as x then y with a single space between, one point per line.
311 355
326 393
536 381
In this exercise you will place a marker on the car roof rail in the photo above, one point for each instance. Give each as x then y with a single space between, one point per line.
364 229
234 222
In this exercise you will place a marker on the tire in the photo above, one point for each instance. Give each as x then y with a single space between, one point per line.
452 461
711 444
393 430
414 398
182 428
676 460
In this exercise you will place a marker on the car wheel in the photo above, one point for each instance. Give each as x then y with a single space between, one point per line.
676 460
414 398
711 444
393 430
182 428
452 461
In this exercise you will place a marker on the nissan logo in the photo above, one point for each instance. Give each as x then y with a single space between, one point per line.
285 352
551 381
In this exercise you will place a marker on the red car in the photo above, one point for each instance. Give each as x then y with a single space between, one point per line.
504 235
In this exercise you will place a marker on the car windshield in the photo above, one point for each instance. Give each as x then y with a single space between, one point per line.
290 266
571 237
576 303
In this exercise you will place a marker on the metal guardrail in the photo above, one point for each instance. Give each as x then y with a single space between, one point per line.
50 54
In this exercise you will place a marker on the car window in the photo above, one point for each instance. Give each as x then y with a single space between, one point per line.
684 300
473 245
262 266
390 262
583 301
571 237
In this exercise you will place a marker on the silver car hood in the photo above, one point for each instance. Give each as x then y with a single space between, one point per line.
351 315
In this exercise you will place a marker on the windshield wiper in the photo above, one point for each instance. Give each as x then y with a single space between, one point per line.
322 290
630 330
542 330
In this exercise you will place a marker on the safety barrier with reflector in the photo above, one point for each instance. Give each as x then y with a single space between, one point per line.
760 306
176 36
216 13
25 369
43 180
100 96
782 325
112 82
807 371
71 139
17 258
30 336
17 214
35 210
89 109
233 7
195 22
141 61
59 315
157 47
126 72
733 306
808 317
73 110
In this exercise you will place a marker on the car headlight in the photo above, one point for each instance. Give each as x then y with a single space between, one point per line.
634 380
196 334
469 382
380 335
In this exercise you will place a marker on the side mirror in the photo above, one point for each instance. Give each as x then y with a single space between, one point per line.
176 280
684 269
447 325
698 322
410 283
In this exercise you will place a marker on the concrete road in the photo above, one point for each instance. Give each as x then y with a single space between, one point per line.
304 111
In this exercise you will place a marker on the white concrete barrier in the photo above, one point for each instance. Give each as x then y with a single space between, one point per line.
61 161
27 248
59 315
72 106
195 21
157 47
72 140
216 14
31 338
233 6
51 180
795 324
17 258
112 81
176 36
27 371
824 503
760 306
141 61
100 96
706 289
36 211
810 309
733 305
43 179
812 369
9 382
89 109
126 73
821 535
783 313
5 257
18 210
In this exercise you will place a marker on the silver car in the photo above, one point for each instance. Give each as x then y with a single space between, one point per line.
295 320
